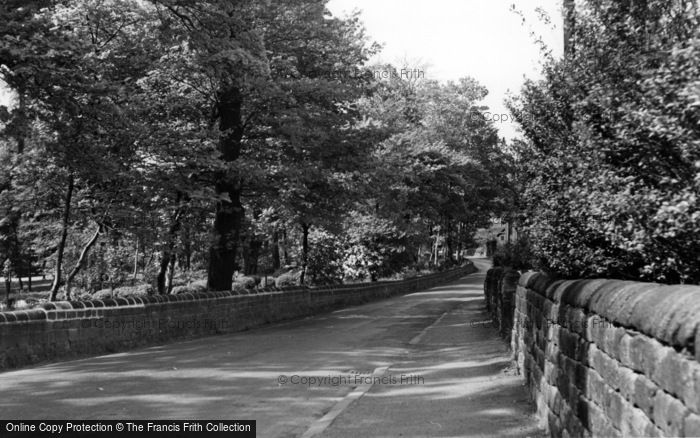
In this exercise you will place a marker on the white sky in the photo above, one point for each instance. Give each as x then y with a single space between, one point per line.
456 38
450 39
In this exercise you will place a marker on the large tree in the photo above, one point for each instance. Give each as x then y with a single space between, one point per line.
613 144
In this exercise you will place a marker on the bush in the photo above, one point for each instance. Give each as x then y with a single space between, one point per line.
240 289
192 288
103 294
266 282
611 168
140 290
200 285
516 255
324 264
81 295
376 248
246 282
288 279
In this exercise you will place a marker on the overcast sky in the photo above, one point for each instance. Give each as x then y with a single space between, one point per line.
450 39
483 39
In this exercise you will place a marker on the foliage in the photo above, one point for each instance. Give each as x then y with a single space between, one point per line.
324 264
246 282
287 279
517 255
376 248
149 137
613 157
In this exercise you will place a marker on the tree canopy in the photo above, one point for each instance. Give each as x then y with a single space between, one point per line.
149 137
613 153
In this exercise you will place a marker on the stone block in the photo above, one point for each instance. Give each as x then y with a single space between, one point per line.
644 392
653 431
615 408
592 324
611 340
669 414
627 383
596 389
580 293
646 353
576 320
554 425
691 425
602 299
634 421
679 322
606 366
624 350
676 375
597 420
568 343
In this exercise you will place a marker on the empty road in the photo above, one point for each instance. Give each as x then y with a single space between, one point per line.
423 364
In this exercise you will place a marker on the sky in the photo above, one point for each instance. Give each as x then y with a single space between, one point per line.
482 39
449 39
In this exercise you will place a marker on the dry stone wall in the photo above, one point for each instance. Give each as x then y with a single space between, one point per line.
608 358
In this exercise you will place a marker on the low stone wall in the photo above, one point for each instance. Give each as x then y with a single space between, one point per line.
499 291
609 358
75 329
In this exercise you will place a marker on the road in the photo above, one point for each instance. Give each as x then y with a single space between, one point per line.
423 364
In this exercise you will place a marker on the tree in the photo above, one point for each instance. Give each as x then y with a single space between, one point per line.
612 154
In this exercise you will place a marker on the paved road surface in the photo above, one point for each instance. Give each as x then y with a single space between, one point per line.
424 364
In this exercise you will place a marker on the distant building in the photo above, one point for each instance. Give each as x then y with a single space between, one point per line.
499 233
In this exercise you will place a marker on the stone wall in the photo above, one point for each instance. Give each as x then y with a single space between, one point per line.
609 358
74 329
499 290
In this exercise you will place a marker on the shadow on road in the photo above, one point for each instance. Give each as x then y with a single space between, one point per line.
439 335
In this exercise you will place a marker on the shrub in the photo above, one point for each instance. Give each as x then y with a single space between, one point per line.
192 288
376 248
611 166
240 289
324 263
288 279
140 290
266 282
103 294
246 282
516 255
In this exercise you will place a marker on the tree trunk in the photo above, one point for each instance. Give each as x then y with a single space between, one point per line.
275 251
229 213
168 255
437 245
20 283
64 235
252 255
8 290
569 22
187 247
304 251
136 261
285 247
450 241
29 277
162 273
171 274
21 138
81 260
7 273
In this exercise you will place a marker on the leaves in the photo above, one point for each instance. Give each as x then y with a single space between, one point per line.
613 140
